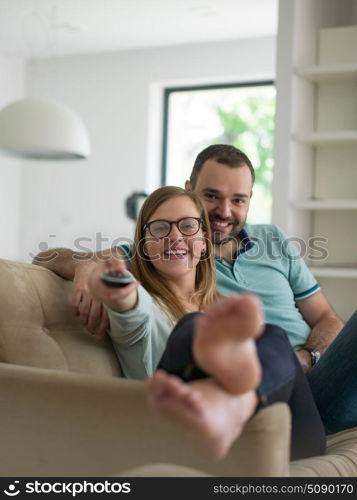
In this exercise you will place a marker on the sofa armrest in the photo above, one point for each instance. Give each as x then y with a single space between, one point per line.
67 424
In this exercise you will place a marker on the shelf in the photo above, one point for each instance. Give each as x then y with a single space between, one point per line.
326 138
325 205
334 272
327 73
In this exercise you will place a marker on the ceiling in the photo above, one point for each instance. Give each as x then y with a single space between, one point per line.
52 28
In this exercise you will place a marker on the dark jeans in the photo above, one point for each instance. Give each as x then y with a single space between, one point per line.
282 380
333 380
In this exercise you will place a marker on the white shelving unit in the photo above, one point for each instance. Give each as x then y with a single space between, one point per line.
326 205
328 72
329 138
315 177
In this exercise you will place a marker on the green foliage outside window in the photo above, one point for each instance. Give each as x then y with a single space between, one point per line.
249 126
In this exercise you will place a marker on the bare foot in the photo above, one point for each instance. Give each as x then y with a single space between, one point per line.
213 417
223 345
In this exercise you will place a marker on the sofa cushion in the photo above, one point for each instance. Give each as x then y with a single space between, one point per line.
38 329
340 459
162 470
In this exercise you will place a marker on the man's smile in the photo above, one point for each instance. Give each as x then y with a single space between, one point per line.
221 225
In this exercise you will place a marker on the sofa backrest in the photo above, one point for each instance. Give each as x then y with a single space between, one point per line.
38 329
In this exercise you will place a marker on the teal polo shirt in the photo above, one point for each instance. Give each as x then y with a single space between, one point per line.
269 265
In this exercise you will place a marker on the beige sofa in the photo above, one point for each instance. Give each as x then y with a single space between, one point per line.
66 411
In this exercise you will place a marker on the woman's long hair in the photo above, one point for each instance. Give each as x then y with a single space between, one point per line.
150 278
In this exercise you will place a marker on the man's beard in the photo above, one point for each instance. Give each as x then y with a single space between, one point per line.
218 238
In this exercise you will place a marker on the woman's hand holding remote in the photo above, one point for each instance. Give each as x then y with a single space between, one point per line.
111 284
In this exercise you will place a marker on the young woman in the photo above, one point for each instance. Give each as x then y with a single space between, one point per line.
220 364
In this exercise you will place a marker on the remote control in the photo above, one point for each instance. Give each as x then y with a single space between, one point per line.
116 280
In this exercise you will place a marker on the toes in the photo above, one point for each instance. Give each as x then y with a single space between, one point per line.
232 314
168 389
194 400
156 386
235 304
159 383
248 305
162 385
222 310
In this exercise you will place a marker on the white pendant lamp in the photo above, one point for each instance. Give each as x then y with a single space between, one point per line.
43 129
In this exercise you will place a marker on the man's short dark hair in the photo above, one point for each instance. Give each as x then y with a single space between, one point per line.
222 153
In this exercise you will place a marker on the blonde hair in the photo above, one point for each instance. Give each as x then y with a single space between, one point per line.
144 271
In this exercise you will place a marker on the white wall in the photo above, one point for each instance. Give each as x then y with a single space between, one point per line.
12 83
118 95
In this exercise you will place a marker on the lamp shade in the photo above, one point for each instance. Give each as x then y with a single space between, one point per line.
43 129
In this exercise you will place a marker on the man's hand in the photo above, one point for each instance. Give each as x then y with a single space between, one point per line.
305 359
91 312
78 267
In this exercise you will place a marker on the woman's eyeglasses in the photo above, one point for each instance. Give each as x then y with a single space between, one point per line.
188 226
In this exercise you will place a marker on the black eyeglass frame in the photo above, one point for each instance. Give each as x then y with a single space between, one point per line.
177 222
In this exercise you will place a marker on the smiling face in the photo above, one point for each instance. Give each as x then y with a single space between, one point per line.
175 255
226 192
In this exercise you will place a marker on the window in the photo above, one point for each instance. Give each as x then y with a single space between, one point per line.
237 114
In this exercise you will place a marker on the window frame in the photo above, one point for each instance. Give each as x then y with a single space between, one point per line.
166 99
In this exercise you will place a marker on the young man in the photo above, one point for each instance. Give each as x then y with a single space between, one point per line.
259 258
